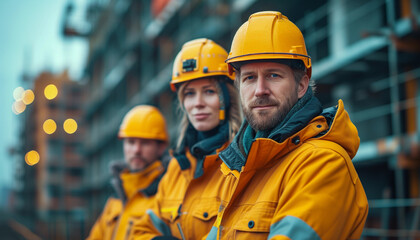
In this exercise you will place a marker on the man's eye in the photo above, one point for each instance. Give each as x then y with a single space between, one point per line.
274 75
247 78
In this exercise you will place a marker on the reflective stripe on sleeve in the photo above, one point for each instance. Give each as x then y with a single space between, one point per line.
212 234
293 228
159 224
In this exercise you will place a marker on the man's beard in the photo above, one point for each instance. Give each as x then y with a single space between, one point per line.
265 120
143 163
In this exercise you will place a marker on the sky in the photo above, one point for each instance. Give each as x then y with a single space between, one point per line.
30 41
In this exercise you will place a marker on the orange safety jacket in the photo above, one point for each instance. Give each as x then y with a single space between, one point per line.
304 187
184 203
118 217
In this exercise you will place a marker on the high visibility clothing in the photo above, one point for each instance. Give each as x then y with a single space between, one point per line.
120 214
295 184
144 121
185 203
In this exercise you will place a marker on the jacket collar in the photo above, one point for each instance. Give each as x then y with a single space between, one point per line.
145 181
301 114
332 124
199 147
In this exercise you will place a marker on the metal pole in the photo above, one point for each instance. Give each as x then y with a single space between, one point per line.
396 119
416 217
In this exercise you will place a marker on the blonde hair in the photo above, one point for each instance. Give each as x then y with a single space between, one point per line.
234 117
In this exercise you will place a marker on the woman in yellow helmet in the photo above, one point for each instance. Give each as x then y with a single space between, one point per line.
190 193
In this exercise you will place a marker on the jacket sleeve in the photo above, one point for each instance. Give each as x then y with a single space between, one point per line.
152 225
98 229
322 198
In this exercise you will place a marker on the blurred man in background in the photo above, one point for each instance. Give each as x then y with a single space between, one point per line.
145 139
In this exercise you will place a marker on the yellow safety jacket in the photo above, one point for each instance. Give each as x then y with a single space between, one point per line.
304 187
184 203
118 216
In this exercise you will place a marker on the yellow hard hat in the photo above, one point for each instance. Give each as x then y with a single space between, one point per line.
144 121
268 35
197 59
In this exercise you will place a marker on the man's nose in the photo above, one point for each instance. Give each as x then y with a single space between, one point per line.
137 147
261 87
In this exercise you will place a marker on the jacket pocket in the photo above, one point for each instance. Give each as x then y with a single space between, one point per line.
206 209
255 221
204 215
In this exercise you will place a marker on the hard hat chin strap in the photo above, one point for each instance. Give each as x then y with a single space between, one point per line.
224 99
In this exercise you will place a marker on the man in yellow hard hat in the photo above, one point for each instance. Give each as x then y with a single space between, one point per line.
145 139
290 163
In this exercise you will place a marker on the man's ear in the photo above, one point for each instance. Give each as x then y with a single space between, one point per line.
162 147
303 86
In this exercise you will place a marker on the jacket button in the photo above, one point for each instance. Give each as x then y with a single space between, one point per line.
251 224
296 140
205 214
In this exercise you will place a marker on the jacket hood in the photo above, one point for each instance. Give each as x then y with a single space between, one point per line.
341 130
126 184
116 168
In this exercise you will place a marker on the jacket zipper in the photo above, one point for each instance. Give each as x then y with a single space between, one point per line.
127 233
